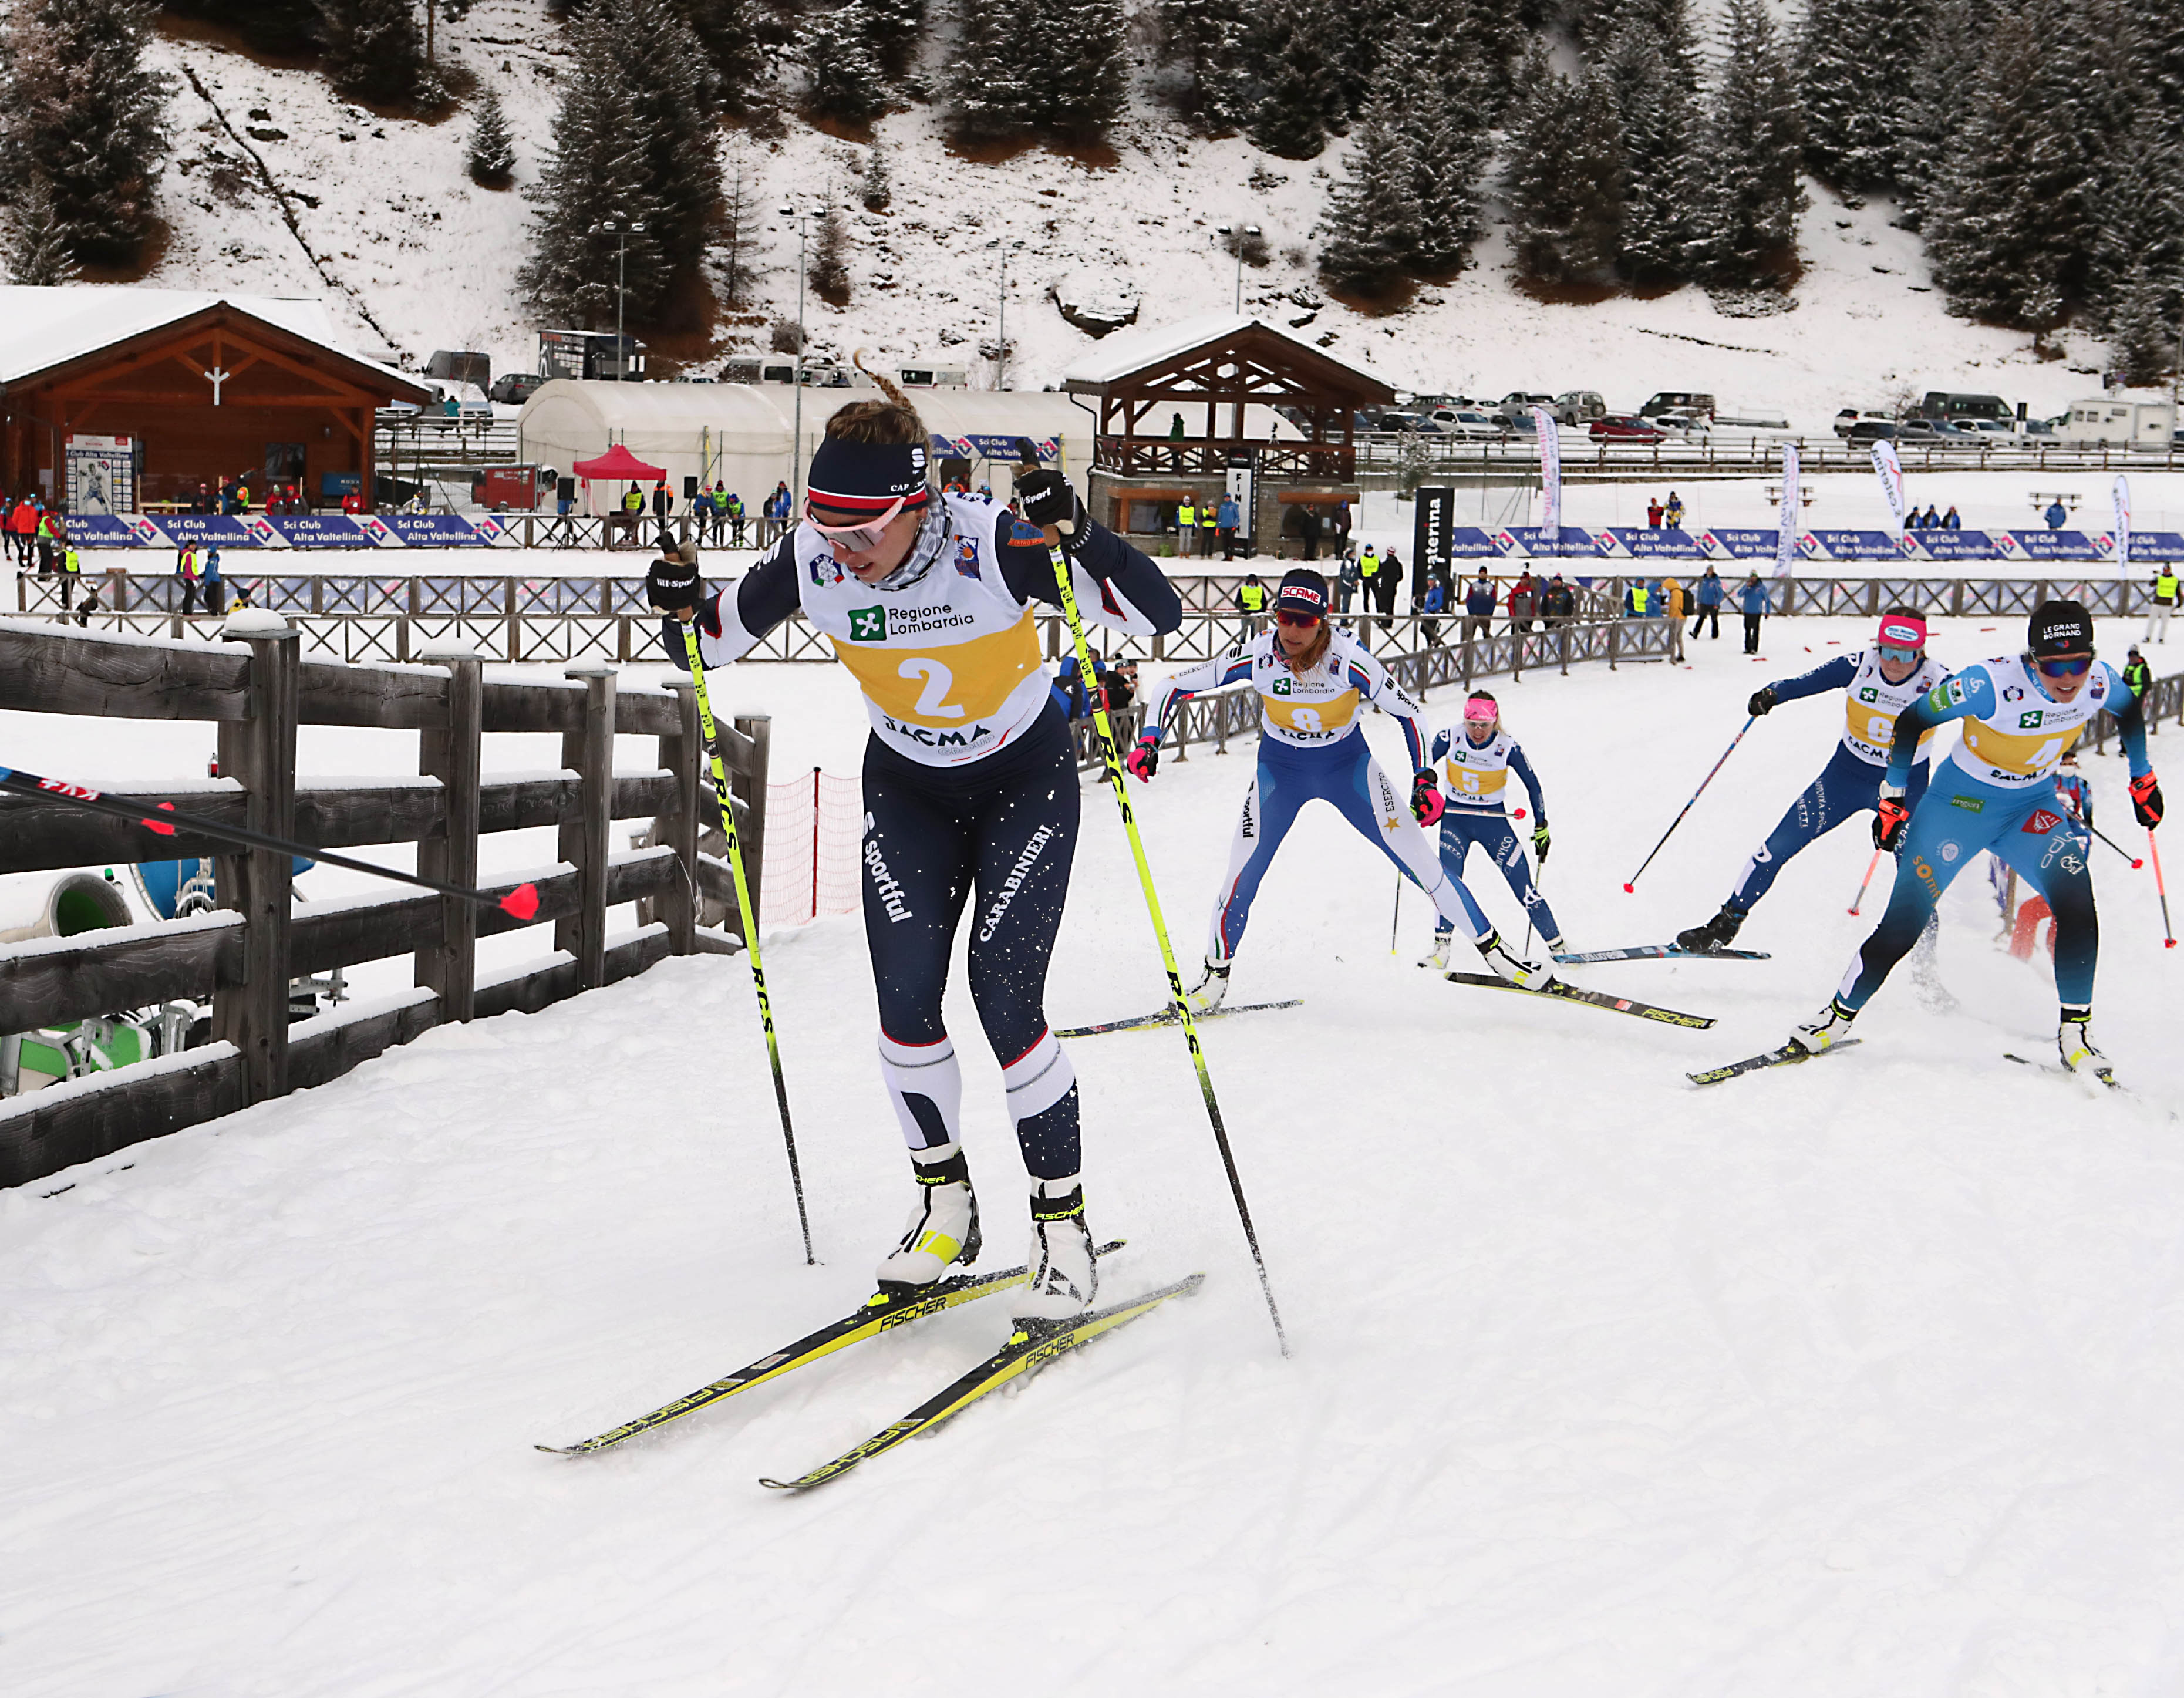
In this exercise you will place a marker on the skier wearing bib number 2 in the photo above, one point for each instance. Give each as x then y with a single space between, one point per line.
1311 679
969 785
1878 683
2021 713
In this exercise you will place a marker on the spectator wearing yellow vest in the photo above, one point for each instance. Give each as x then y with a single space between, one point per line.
1186 526
71 569
186 569
2164 603
1251 603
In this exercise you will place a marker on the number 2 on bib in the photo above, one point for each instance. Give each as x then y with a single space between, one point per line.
932 699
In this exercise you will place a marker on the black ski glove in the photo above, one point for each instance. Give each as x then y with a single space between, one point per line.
1045 497
1762 702
674 587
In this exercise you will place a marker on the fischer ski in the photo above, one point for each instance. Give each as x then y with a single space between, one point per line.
1789 1055
1027 1351
879 1313
1590 998
2104 1074
1167 1017
1659 952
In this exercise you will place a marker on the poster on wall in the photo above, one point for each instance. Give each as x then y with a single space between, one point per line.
102 473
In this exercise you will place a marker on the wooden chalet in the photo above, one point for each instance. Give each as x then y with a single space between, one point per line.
1221 402
205 387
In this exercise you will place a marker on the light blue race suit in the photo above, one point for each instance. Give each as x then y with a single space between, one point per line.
1997 792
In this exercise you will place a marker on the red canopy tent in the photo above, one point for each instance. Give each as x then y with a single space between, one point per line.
617 465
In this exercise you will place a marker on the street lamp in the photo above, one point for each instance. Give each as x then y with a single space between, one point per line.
803 222
1236 240
621 233
1001 330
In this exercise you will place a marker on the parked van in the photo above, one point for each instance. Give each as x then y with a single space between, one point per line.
1942 404
2108 422
1672 400
462 367
1579 407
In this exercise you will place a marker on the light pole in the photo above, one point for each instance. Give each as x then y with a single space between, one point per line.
1002 318
802 220
1237 237
621 233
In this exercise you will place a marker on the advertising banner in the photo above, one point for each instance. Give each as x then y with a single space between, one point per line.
2036 545
1435 510
320 530
1531 541
1890 471
1790 515
1955 545
102 474
432 531
1550 469
1653 542
1855 545
103 531
1726 544
220 528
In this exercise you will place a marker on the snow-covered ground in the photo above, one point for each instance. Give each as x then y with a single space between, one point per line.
1865 1378
387 225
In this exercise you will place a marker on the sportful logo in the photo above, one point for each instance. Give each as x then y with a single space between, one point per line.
884 884
868 625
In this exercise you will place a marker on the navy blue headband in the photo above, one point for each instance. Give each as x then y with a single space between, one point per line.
868 477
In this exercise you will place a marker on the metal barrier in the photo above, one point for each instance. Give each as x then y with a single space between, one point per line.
1732 456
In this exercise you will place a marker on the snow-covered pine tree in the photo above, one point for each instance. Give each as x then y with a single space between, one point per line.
596 170
2009 209
989 93
2143 328
374 50
1500 30
2157 34
1563 183
1370 229
491 156
84 116
1080 66
830 257
728 30
1206 43
663 102
847 84
2135 207
1664 192
878 188
1296 44
1754 149
896 26
1929 113
1366 29
38 257
1444 115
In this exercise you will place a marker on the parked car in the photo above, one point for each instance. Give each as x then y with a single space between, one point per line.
1686 422
1678 400
1579 407
1474 425
514 388
1934 433
1625 427
1520 402
1993 433
1851 417
1870 431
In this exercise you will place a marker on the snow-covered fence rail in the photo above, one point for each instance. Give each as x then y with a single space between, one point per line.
2164 699
257 690
1585 460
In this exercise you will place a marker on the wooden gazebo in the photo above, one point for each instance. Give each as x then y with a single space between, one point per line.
1229 379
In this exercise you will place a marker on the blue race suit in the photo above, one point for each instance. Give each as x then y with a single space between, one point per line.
1475 784
1997 793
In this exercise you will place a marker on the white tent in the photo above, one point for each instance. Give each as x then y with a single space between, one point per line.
739 433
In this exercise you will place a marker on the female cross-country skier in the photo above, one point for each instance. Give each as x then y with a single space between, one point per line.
1997 792
969 785
1878 683
1476 766
1311 679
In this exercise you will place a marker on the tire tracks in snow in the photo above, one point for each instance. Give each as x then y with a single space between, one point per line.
284 202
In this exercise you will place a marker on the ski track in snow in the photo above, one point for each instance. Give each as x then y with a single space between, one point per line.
1863 1378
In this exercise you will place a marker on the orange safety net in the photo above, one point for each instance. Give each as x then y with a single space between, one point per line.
813 826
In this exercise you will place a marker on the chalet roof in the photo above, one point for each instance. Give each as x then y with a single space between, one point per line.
1152 348
43 328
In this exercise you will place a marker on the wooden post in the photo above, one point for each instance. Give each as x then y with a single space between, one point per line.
590 750
453 756
684 756
752 772
260 752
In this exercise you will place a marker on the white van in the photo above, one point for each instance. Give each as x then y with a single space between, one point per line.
2107 422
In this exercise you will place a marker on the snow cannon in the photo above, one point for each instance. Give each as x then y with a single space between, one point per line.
74 903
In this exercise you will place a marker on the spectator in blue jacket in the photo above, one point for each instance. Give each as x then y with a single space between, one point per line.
1953 520
1479 602
1708 594
1228 520
2056 515
1753 599
1435 602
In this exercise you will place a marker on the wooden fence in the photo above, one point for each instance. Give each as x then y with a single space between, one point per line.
258 689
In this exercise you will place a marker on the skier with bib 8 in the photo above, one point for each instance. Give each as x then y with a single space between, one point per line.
1878 683
1311 679
1476 763
2021 713
970 787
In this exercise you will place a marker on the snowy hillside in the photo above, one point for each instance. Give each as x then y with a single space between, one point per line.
1862 1379
384 220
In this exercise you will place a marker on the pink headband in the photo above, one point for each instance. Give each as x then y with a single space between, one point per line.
1907 631
1478 710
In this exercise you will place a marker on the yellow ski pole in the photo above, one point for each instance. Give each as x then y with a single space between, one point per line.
1118 778
750 924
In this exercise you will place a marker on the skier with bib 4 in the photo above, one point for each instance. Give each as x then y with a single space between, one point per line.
1878 683
1311 679
2021 713
970 789
1475 765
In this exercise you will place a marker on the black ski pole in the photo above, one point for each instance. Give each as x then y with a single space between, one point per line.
162 818
1631 883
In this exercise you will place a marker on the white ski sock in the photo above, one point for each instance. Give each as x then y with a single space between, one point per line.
926 1085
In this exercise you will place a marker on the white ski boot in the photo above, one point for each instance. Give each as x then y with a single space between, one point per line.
1830 1029
1505 963
1438 961
1065 1274
1205 996
2074 1043
944 1227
